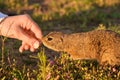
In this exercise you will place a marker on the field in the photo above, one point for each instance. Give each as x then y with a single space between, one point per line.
67 16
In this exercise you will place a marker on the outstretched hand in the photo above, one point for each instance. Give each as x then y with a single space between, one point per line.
22 27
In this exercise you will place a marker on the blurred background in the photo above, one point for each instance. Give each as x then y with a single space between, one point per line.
67 15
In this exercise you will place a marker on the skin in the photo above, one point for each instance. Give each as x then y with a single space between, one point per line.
23 28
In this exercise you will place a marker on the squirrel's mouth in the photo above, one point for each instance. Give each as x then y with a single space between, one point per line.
50 47
46 44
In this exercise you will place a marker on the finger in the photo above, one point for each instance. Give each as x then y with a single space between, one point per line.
26 46
30 40
21 49
32 49
37 31
29 24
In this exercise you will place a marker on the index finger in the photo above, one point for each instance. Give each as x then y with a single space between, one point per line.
36 30
29 24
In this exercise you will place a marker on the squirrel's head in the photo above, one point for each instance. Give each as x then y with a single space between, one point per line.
54 41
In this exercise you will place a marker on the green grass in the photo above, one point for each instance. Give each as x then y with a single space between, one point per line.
62 68
65 15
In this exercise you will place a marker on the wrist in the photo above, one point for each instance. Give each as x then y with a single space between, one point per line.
2 18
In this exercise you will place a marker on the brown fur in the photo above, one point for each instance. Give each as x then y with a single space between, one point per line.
102 45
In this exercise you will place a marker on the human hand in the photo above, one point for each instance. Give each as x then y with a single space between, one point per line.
23 28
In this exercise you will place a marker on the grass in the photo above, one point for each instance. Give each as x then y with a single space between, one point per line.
66 16
62 68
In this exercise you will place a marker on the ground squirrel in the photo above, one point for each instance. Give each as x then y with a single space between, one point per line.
102 45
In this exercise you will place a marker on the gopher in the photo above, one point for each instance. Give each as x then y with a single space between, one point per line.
101 45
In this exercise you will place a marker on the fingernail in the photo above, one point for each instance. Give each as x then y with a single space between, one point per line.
36 44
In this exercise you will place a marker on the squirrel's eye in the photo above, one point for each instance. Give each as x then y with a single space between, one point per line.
49 38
